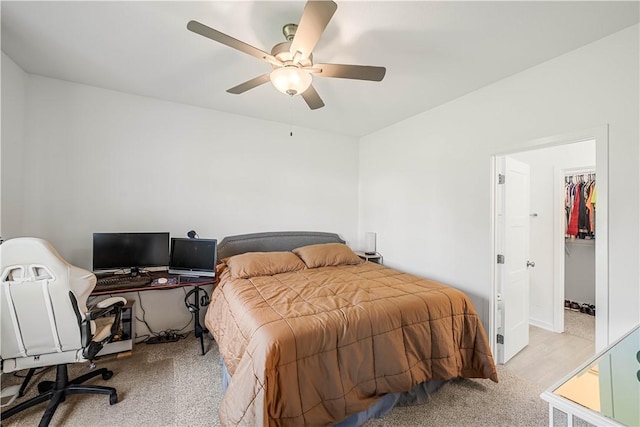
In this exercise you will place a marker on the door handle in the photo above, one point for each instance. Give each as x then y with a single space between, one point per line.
531 264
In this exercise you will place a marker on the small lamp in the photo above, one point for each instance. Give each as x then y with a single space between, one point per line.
370 243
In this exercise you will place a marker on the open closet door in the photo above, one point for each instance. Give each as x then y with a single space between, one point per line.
515 274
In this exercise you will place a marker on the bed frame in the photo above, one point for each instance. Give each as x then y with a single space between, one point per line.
272 242
286 241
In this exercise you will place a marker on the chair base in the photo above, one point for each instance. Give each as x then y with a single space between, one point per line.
56 391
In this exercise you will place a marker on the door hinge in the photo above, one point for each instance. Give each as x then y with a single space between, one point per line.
500 178
500 339
500 259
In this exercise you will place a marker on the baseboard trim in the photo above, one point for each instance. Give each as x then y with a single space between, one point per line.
543 325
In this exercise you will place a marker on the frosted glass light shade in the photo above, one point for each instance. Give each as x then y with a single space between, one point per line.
290 80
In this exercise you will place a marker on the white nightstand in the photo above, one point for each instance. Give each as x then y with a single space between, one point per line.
377 257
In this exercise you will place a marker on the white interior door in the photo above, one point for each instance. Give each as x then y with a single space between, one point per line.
515 274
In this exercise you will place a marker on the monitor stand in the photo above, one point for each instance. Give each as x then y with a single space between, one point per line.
189 279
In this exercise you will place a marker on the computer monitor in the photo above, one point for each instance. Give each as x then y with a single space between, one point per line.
193 257
113 251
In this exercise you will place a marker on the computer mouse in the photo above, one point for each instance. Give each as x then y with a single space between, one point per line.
162 281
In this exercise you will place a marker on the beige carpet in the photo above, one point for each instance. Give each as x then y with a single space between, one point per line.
159 385
514 401
173 385
580 324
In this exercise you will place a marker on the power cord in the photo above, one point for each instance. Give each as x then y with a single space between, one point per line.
143 320
168 335
165 336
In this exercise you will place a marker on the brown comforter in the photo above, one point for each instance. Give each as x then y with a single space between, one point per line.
314 346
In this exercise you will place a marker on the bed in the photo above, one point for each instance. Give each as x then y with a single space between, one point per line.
309 334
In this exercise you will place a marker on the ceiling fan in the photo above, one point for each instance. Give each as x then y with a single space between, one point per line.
292 61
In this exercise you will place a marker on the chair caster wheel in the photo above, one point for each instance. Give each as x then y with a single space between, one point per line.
113 399
107 375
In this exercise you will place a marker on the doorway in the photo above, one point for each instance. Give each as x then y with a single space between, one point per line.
547 303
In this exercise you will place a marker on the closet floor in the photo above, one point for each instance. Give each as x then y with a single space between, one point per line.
550 356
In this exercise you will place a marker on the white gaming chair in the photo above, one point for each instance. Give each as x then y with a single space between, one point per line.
45 321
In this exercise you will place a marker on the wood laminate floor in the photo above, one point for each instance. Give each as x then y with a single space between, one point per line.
550 356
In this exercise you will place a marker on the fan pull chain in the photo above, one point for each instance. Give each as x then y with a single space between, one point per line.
291 116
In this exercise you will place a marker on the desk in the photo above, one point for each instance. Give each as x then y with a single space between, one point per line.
180 282
154 275
605 391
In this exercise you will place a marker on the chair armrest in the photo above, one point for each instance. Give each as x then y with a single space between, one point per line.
110 301
105 306
110 305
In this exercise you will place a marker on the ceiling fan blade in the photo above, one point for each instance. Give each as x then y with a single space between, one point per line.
250 84
343 71
216 35
315 17
312 98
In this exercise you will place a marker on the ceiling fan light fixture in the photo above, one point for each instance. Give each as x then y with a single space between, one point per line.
290 80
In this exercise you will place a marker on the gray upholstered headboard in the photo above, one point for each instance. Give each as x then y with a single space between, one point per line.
273 241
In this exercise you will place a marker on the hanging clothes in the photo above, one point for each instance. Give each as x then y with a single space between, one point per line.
580 206
583 213
572 229
591 207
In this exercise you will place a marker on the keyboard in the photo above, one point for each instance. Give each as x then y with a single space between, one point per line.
120 282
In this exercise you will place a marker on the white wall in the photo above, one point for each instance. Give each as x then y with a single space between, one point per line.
101 160
543 163
425 182
579 267
97 160
11 152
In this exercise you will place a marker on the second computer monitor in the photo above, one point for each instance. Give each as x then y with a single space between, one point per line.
193 257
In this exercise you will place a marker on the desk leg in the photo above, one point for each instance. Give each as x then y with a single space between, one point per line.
198 329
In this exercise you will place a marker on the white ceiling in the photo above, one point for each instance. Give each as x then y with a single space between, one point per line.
434 51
